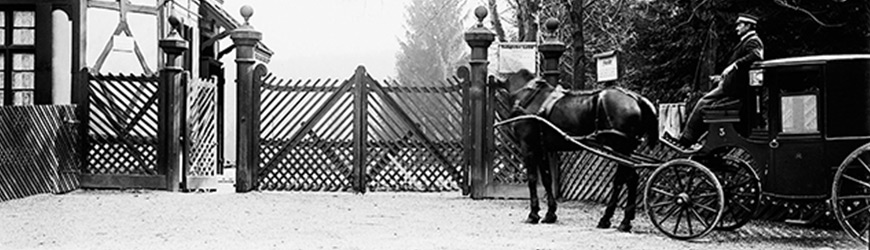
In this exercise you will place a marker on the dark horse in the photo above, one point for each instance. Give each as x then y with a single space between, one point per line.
612 117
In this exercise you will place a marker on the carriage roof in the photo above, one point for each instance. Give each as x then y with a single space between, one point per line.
806 60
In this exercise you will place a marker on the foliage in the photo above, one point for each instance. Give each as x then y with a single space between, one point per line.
669 47
433 44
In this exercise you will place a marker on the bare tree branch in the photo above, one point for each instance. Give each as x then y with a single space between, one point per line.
783 3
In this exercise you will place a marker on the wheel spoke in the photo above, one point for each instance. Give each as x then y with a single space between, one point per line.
866 227
865 208
744 207
747 195
668 214
864 164
854 197
698 216
661 191
706 206
661 204
679 218
678 179
689 221
865 184
706 195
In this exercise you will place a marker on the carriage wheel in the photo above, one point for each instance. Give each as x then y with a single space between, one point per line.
683 199
742 189
850 194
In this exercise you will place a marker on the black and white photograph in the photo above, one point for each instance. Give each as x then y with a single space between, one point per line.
434 124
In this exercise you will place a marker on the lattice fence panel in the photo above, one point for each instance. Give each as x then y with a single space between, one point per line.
123 125
202 127
415 137
507 159
37 150
306 128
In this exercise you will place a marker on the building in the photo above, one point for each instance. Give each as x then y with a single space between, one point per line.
46 43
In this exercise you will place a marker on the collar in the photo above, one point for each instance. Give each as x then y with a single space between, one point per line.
748 34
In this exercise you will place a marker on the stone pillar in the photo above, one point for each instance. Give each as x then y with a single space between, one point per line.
551 50
479 38
245 38
169 107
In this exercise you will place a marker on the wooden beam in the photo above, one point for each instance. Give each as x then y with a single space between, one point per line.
123 181
141 9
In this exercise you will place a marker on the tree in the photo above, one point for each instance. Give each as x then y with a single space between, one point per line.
433 43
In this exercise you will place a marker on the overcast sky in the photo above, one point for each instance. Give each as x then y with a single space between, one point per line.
328 38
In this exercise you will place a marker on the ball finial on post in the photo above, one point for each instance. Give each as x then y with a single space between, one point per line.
174 20
480 12
247 11
552 24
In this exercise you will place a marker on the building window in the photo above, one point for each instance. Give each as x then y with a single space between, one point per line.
17 56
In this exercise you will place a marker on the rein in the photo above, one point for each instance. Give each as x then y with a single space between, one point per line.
522 103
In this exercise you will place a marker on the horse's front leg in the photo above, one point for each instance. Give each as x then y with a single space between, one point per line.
547 181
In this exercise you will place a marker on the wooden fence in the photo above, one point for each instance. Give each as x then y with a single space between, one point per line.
38 150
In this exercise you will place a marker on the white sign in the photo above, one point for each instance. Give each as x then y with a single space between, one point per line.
513 56
518 55
123 43
607 66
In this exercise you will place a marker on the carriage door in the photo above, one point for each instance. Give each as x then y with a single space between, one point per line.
796 168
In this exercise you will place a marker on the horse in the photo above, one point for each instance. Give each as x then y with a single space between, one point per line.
612 117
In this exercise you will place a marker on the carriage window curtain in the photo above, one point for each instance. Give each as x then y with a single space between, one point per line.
17 44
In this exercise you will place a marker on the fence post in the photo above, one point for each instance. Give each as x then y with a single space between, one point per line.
169 107
479 38
360 131
248 108
551 50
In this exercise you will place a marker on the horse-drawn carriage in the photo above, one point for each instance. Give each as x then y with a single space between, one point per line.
802 132
805 125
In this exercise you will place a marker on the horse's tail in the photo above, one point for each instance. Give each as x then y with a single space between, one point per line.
650 120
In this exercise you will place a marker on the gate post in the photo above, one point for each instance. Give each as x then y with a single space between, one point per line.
479 38
169 107
248 104
360 129
551 50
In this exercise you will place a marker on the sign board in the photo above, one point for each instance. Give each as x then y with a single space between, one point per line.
607 66
512 56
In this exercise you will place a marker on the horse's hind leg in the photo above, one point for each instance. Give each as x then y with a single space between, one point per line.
632 179
547 181
604 222
531 161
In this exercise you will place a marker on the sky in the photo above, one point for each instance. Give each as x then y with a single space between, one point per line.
320 39
327 38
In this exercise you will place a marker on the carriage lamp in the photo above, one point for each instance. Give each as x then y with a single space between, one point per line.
756 77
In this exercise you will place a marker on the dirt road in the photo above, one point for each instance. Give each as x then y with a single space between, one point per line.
161 220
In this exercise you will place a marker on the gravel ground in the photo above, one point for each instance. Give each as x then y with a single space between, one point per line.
139 219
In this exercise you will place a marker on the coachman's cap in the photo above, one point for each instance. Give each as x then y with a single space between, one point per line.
747 18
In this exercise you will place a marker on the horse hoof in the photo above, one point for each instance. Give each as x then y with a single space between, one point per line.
624 227
533 219
603 224
549 219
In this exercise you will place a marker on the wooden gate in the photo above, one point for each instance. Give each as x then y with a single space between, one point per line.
122 133
122 129
201 148
360 135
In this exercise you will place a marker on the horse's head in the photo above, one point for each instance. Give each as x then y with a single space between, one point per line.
512 82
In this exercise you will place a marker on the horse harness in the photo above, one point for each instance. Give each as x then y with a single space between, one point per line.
537 86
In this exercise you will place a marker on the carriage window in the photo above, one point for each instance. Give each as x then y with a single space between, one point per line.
800 114
17 56
800 79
